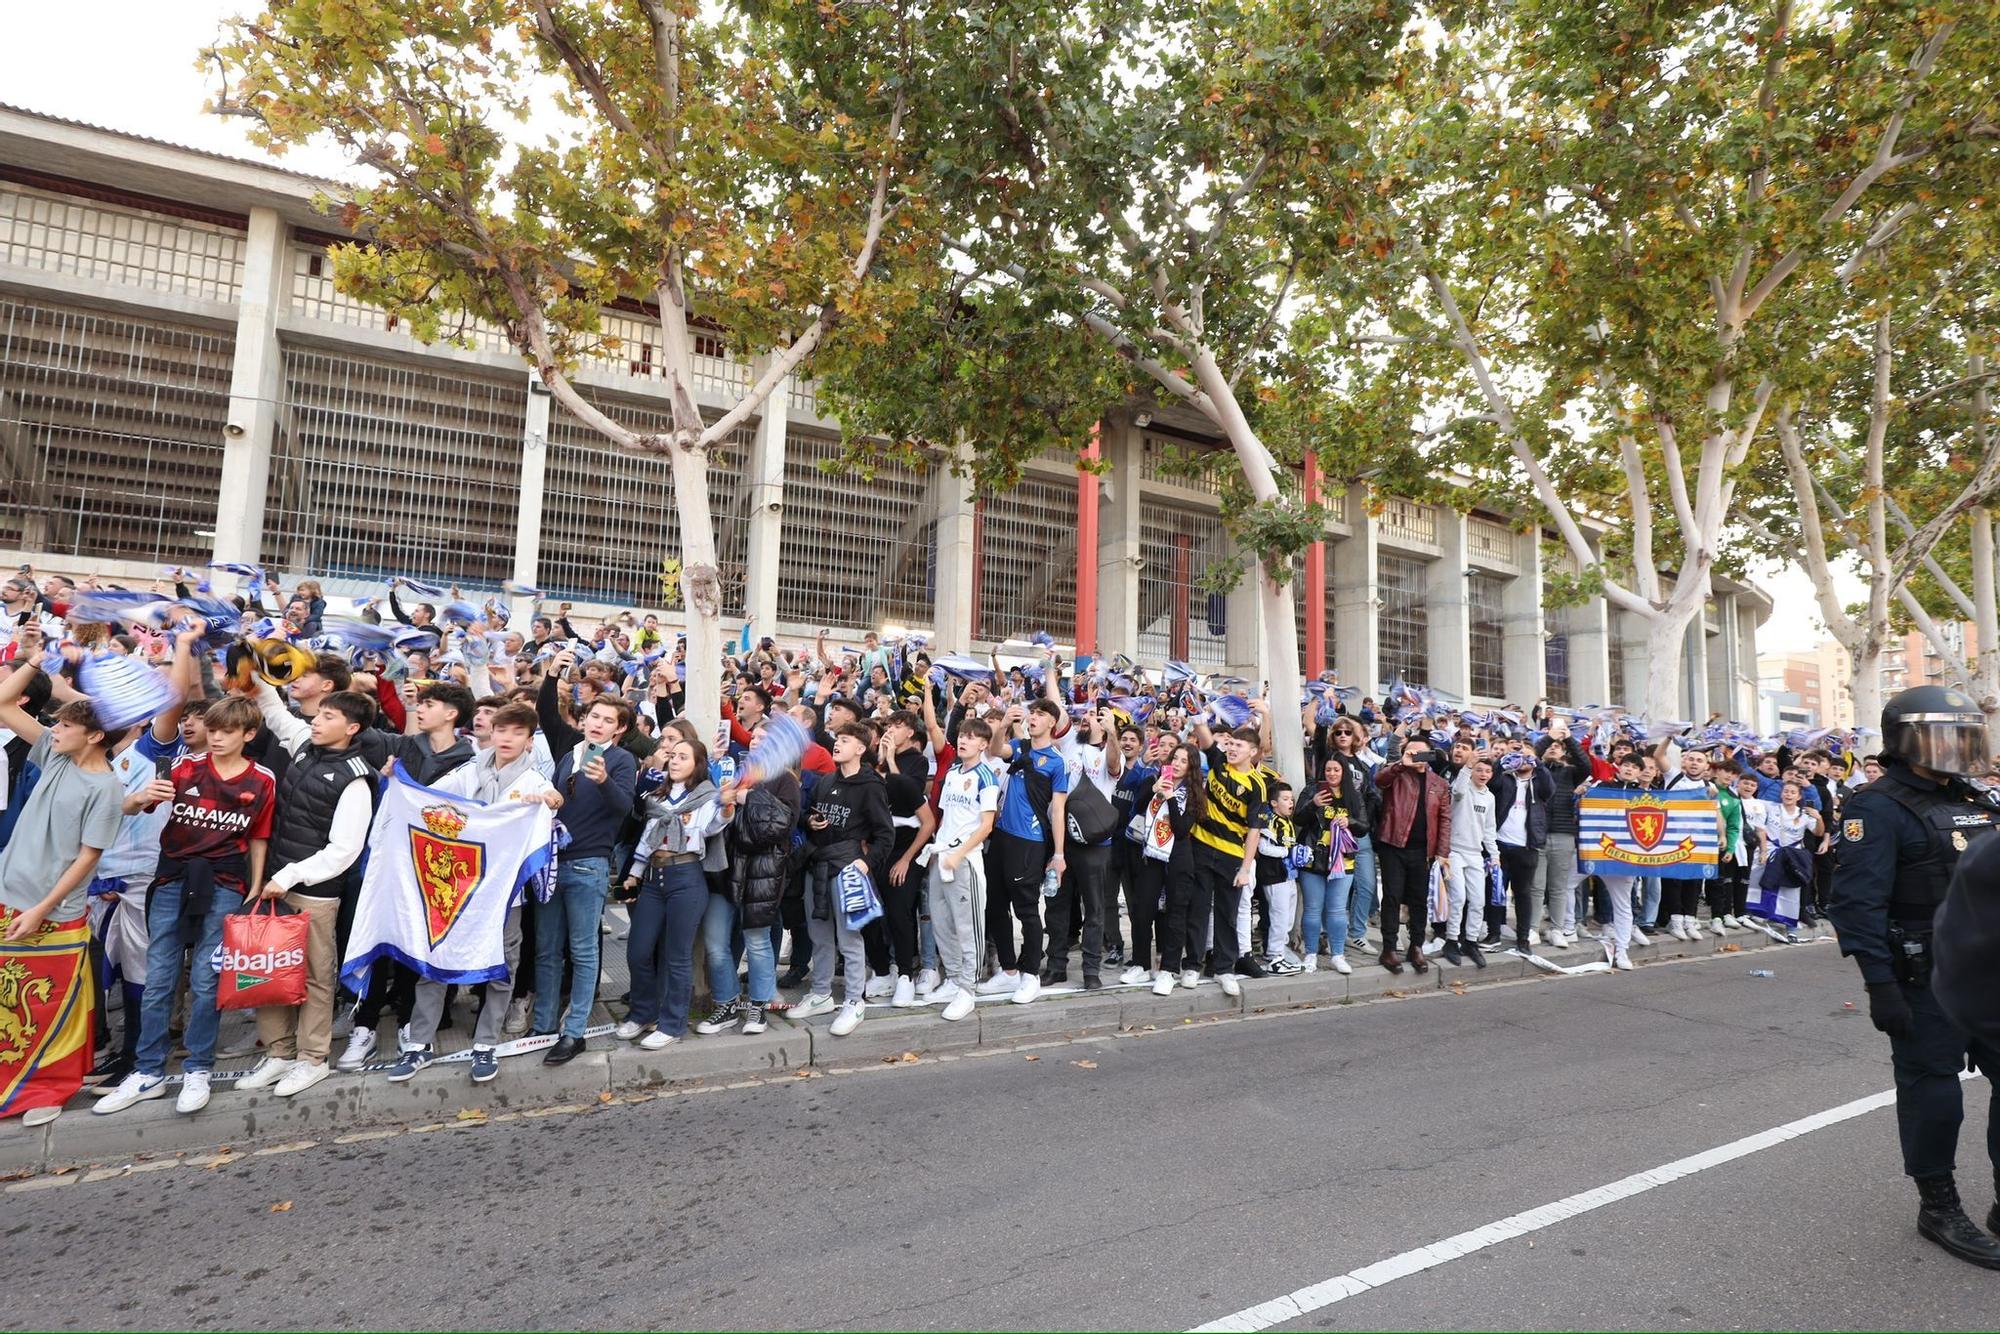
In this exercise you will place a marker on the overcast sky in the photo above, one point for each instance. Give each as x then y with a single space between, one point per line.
132 65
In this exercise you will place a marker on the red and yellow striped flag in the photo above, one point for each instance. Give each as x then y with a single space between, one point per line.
45 1015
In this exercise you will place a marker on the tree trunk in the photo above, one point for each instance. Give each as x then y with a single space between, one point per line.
1666 639
1985 627
1864 683
1281 646
701 590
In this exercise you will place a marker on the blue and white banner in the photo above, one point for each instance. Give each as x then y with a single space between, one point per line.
442 873
1628 832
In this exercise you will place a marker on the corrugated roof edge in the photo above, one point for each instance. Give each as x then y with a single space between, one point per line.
259 163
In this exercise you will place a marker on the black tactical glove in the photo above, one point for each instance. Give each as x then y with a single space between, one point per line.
1889 1011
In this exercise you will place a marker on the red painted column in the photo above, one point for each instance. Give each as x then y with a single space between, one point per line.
1177 637
1086 549
1315 590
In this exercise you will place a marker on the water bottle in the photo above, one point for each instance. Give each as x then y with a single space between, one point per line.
1051 882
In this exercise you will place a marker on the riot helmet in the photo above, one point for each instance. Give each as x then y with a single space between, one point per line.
1936 728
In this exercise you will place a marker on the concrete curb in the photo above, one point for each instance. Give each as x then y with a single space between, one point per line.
348 1103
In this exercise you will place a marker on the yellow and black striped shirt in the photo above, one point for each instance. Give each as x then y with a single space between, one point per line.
1233 798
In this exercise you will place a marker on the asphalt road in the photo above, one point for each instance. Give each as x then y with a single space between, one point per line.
1158 1181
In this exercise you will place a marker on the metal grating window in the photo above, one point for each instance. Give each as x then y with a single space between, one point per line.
1409 521
43 230
609 518
1557 622
1403 625
856 553
1616 673
633 345
1176 618
1155 451
1487 622
383 469
1027 562
110 434
1490 542
314 296
804 395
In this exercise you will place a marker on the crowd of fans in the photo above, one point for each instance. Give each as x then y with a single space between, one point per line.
1008 819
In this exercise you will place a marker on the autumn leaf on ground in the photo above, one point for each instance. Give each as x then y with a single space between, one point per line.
471 1114
282 1207
1031 1058
1084 1065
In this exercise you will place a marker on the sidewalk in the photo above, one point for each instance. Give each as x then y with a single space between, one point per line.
346 1103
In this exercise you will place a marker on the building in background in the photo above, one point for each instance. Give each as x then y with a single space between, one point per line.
180 382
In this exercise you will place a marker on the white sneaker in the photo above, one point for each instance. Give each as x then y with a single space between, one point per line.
268 1072
1729 920
810 1006
1639 937
1716 924
1231 987
627 1031
1163 984
1001 983
1433 947
516 1022
849 1018
1622 963
928 981
403 1042
1341 965
1683 928
1135 976
880 987
1534 936
960 1006
906 993
656 1040
1312 963
134 1088
360 1046
194 1093
1190 978
1561 940
946 994
302 1076
1031 987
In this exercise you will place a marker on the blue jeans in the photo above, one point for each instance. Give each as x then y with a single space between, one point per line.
666 919
717 930
1325 900
163 971
1361 897
568 924
1649 902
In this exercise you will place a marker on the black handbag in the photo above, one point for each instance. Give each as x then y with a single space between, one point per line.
1089 814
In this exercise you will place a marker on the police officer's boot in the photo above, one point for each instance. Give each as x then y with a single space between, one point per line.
1942 1218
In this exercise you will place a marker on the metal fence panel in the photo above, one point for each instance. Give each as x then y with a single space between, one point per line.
609 518
1403 624
41 230
1488 629
1178 546
1027 562
381 469
110 434
856 552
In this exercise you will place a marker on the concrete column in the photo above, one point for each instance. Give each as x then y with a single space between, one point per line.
1118 555
957 560
1694 669
1722 660
1524 648
255 379
766 476
1629 643
1243 644
534 486
1449 612
1357 640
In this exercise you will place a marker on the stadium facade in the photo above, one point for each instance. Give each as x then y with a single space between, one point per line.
180 382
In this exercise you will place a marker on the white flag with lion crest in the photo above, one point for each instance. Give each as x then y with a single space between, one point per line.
442 872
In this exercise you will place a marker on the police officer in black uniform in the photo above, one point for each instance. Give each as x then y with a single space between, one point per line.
1900 838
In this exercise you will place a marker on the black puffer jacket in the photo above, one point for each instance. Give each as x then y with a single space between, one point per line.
760 849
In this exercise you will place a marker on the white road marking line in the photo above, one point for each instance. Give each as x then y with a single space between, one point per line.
1342 1286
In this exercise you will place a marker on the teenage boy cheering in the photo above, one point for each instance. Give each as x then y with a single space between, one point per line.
968 803
326 802
1027 842
211 850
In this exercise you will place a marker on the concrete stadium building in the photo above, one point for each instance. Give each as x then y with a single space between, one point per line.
180 382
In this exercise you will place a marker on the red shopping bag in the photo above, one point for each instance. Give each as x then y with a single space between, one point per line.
262 960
